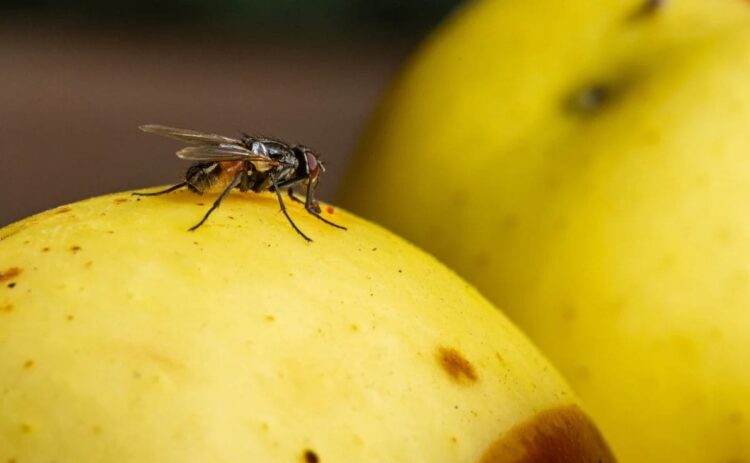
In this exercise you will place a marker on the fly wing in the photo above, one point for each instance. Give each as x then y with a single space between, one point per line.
189 136
226 152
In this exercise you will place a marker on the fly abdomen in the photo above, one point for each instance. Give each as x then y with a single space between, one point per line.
201 176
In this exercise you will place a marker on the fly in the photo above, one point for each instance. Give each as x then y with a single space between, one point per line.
250 164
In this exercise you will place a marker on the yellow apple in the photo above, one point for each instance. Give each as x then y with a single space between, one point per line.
587 165
126 338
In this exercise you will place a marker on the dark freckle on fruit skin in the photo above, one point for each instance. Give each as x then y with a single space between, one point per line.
589 100
75 249
655 4
63 210
311 457
459 369
648 8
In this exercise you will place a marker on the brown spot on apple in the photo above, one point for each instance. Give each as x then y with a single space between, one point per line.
459 369
561 435
10 274
310 457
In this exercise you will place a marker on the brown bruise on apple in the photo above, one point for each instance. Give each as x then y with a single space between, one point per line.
559 435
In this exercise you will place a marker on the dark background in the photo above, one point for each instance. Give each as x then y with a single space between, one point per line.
78 77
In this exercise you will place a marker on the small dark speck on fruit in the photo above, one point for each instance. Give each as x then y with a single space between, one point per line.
10 273
231 217
70 318
25 428
310 456
6 308
650 6
374 249
400 271
28 364
330 210
270 318
121 200
589 99
137 199
75 248
647 8
200 204
46 249
11 285
111 232
63 210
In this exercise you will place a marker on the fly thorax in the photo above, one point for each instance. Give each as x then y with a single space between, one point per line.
259 148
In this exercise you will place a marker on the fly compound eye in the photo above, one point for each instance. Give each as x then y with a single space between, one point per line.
312 164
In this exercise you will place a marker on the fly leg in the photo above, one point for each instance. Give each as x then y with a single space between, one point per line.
235 181
283 208
312 207
245 184
168 190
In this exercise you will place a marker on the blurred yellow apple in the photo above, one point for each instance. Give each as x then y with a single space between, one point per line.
587 165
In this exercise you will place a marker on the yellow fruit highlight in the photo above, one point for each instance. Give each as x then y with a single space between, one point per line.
587 166
126 338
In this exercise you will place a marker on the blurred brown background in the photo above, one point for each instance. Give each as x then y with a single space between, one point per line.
78 78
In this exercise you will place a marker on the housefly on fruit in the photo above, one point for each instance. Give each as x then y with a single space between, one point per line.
249 163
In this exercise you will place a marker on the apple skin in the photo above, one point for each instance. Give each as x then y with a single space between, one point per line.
127 338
